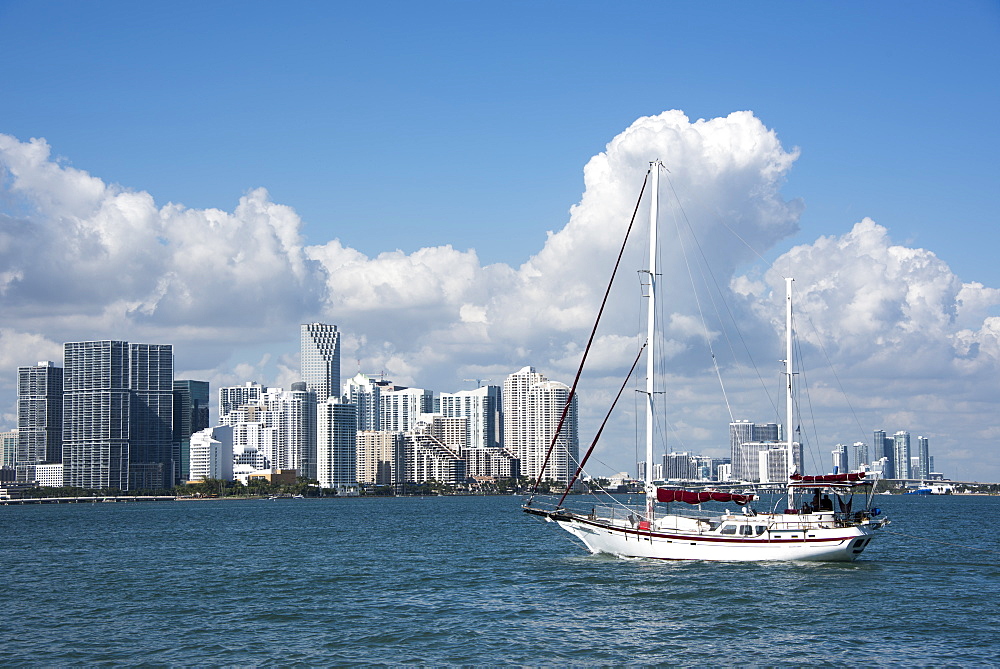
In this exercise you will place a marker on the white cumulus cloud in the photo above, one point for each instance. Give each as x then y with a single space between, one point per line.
84 259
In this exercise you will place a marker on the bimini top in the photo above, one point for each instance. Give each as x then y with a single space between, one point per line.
692 497
828 479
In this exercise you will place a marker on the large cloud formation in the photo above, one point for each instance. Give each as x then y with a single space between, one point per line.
82 259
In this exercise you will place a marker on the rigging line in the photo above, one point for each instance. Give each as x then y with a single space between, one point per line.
590 341
833 370
712 212
604 423
697 300
732 317
812 414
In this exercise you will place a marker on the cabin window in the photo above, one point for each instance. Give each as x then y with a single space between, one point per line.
760 529
746 530
728 529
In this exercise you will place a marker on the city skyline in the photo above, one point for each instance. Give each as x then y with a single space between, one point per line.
418 182
399 409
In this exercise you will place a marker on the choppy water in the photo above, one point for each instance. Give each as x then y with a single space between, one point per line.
472 581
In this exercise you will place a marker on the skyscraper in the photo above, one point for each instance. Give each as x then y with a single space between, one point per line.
482 409
320 359
337 435
234 397
379 457
901 454
860 454
39 418
515 422
279 424
840 462
533 407
8 453
884 447
401 409
118 415
923 452
190 416
365 392
745 462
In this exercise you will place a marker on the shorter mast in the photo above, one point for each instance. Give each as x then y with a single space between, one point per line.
789 373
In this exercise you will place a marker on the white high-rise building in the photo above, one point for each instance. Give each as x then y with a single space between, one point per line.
280 425
234 397
901 452
860 454
320 359
495 462
840 463
533 407
515 401
745 465
772 461
679 467
247 460
427 459
337 433
482 409
452 432
401 409
365 392
212 453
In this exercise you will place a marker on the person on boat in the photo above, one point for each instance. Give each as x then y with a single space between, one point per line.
826 504
807 508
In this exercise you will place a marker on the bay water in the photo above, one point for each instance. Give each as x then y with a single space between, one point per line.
473 581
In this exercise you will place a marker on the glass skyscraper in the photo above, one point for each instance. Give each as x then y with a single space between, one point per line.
190 416
118 415
39 418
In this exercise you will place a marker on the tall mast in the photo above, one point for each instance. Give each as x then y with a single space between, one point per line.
651 336
789 373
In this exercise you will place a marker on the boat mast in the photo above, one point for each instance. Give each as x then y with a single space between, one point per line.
789 373
651 336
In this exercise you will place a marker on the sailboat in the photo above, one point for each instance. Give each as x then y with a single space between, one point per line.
800 523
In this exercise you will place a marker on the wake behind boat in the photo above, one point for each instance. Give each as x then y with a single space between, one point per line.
802 518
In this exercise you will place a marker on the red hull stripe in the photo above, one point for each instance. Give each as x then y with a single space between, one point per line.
702 538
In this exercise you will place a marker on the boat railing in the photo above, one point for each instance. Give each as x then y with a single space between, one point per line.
820 520
616 514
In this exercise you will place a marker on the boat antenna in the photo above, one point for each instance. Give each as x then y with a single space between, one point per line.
590 341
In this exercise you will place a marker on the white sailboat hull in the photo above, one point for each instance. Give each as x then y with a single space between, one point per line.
831 544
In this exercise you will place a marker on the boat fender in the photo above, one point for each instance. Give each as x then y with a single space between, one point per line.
876 511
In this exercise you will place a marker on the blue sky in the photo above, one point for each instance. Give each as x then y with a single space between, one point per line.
412 126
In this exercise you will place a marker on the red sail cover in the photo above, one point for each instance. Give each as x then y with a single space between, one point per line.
829 478
691 497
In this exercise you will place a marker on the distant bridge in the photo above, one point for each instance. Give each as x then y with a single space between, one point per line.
88 500
947 482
